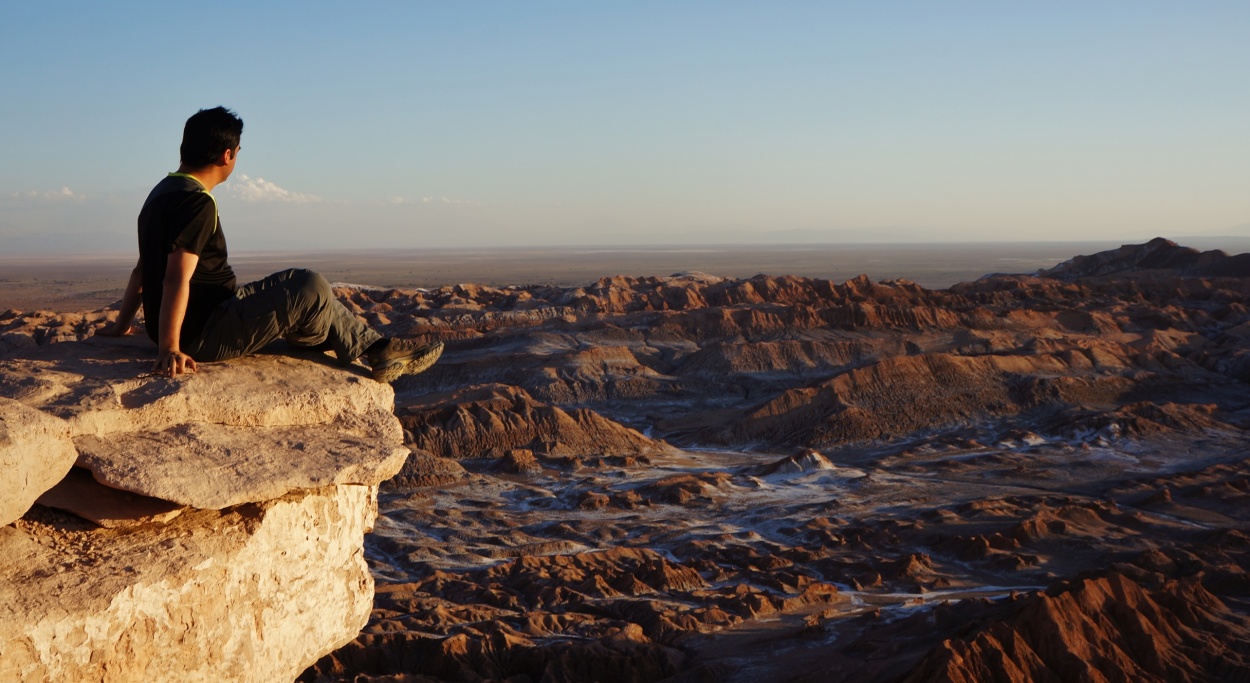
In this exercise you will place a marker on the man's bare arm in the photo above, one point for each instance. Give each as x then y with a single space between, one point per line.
131 301
170 360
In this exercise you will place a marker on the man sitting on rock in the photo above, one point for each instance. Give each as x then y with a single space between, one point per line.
192 308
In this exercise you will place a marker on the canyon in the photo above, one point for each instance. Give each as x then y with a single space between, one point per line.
1038 477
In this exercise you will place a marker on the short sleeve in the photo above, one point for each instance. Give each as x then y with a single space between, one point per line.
194 223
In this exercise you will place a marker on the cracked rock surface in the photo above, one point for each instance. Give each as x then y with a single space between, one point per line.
218 521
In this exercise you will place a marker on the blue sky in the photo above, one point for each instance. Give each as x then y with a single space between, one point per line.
407 124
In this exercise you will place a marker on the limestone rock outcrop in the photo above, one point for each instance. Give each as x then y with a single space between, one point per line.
255 593
213 466
104 387
35 453
228 510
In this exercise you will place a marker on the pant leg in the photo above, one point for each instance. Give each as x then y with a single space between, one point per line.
296 305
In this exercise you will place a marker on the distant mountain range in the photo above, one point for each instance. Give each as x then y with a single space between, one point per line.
1159 255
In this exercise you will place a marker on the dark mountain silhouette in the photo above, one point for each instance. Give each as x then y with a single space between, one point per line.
1158 256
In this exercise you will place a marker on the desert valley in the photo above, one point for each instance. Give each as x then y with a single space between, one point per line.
1038 477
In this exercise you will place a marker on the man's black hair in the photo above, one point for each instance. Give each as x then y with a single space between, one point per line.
208 133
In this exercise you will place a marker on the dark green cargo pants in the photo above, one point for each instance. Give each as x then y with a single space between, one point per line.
296 305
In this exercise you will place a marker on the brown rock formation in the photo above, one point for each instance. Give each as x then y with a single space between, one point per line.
587 616
1156 256
425 469
493 420
1108 628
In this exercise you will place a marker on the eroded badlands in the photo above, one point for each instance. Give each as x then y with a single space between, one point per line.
1021 478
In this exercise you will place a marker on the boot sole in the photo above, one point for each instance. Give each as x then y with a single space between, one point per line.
398 367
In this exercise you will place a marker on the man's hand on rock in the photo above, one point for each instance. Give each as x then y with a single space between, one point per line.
172 362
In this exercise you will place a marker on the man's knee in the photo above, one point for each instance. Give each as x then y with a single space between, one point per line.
310 284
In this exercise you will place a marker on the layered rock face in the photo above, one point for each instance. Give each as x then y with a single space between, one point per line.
213 527
36 452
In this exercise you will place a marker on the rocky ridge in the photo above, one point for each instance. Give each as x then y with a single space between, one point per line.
1158 256
212 527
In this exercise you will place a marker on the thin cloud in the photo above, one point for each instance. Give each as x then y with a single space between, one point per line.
260 190
433 200
62 195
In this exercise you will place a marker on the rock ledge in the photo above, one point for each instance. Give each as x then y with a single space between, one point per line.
229 512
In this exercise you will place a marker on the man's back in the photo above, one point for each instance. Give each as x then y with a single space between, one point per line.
179 213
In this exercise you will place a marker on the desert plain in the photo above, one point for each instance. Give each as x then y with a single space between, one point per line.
86 281
792 465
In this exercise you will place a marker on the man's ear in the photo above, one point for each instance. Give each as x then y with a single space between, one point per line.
226 157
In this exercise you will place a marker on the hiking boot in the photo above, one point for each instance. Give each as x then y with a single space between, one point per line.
403 357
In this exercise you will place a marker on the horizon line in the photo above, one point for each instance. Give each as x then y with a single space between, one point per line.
10 255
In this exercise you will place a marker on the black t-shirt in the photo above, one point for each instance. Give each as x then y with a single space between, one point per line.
180 213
